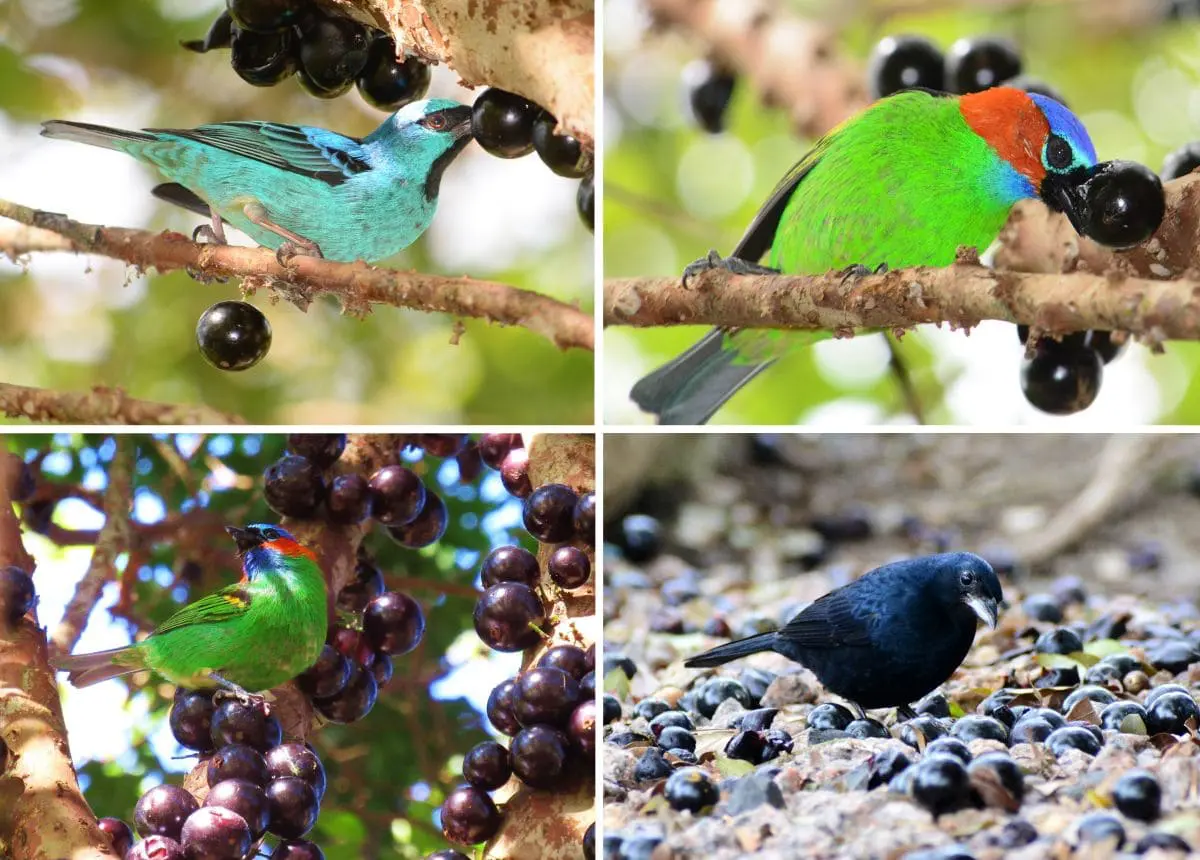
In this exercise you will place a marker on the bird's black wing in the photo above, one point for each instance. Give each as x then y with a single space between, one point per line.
325 155
173 192
829 622
761 232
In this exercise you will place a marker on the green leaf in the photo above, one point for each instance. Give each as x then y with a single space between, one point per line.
617 683
731 768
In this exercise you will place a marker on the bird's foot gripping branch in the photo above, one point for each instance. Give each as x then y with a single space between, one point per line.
357 286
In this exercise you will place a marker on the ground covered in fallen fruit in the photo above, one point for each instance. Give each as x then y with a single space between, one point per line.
1070 730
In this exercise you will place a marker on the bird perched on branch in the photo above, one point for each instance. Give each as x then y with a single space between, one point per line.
903 183
247 637
299 189
889 637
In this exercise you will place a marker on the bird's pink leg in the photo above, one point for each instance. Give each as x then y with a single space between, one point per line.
215 234
295 244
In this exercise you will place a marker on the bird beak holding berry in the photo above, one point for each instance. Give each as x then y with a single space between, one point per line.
246 539
1067 193
985 606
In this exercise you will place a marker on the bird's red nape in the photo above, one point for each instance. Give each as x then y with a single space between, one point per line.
289 547
1012 123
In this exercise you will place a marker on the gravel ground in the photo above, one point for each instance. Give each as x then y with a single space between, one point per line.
1096 541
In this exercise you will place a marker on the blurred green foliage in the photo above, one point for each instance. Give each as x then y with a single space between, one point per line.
71 323
672 192
387 773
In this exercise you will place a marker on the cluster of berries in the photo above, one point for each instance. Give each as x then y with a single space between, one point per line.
549 710
271 40
257 785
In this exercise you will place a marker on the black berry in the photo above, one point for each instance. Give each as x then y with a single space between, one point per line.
233 335
709 90
1061 379
502 123
902 62
975 64
1123 204
389 83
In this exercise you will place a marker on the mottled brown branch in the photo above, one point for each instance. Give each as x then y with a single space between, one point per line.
357 286
43 815
792 63
541 824
101 405
961 295
1047 276
542 49
113 539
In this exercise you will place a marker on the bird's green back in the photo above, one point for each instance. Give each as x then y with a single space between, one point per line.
268 630
869 194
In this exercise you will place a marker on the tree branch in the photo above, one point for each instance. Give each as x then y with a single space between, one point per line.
43 815
793 63
356 285
113 540
541 49
101 405
542 824
1047 277
962 295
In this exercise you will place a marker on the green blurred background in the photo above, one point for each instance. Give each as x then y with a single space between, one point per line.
672 192
388 772
69 322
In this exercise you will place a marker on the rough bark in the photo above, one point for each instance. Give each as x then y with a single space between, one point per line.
357 285
541 824
541 49
101 405
43 815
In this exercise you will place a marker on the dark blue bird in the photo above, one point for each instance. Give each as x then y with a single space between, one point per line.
889 637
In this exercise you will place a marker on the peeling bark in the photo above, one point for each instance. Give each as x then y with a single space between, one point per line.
43 815
542 824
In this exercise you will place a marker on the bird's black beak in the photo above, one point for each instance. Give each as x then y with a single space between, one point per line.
246 539
458 121
1065 192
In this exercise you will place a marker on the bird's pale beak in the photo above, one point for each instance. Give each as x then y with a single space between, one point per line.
985 607
246 539
1068 194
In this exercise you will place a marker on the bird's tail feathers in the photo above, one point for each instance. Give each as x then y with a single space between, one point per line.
694 385
94 135
722 654
83 670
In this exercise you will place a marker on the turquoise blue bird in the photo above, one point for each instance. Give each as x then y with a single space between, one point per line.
300 189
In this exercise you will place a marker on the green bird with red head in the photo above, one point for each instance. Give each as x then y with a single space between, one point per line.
247 637
903 183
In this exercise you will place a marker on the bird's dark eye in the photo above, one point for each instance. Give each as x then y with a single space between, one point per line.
966 578
1058 153
270 534
435 121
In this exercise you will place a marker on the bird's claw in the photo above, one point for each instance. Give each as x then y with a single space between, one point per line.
858 270
733 265
249 700
204 277
905 713
289 250
206 235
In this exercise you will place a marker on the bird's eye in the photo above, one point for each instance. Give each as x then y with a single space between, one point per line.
270 534
435 121
1058 153
966 578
